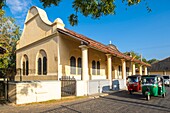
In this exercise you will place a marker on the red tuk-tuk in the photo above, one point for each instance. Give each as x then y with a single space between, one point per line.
134 83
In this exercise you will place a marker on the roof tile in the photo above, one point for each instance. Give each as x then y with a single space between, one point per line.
101 46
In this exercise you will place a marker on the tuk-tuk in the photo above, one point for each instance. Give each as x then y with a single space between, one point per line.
134 83
153 85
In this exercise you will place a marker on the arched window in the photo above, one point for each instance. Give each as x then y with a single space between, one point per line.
79 66
44 66
98 68
120 70
39 66
127 71
25 65
72 65
42 63
93 67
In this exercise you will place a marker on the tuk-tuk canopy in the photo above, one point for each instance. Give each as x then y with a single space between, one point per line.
152 79
151 76
134 76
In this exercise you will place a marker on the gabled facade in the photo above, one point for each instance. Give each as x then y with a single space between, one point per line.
48 51
161 67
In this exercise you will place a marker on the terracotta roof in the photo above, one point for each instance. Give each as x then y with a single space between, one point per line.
100 46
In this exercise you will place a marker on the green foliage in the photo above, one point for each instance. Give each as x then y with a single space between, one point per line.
131 2
152 61
136 56
48 3
2 3
73 19
9 34
93 8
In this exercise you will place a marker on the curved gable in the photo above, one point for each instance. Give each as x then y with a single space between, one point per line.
37 11
37 26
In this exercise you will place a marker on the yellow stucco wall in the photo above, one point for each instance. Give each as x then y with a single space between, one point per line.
160 73
40 34
34 29
37 35
97 56
70 47
49 46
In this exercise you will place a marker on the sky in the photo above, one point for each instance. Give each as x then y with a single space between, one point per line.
130 29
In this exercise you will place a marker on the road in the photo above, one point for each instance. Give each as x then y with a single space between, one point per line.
117 102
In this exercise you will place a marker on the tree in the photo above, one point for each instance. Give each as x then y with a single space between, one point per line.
152 61
92 8
2 4
136 56
9 34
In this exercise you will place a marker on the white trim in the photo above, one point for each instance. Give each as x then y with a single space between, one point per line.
98 77
51 74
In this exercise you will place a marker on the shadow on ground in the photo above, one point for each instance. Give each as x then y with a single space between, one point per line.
140 104
4 102
125 94
137 99
67 107
134 95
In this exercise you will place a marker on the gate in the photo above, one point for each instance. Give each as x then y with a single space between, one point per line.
2 90
68 86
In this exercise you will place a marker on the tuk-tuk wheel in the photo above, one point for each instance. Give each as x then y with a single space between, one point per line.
163 95
130 92
148 97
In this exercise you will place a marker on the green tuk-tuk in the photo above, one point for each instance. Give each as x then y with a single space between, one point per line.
153 85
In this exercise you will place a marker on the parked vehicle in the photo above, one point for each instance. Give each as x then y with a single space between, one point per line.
134 83
153 85
167 80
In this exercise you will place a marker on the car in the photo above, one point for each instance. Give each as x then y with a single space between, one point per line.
167 80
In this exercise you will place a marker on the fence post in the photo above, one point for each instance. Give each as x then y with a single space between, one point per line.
7 88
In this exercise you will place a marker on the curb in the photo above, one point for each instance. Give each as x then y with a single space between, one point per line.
98 95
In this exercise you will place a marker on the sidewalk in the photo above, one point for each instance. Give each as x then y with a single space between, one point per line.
97 95
53 104
64 99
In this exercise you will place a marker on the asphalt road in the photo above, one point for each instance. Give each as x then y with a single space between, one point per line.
117 102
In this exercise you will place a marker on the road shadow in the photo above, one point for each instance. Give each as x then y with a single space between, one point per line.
67 106
140 104
135 95
134 98
126 94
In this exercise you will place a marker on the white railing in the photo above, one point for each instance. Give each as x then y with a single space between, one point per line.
77 71
73 70
119 74
97 72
